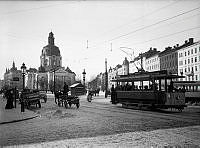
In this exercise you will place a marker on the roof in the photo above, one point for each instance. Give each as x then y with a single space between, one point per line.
145 76
187 83
51 50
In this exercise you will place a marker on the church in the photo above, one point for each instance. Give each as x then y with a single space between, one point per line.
50 68
50 65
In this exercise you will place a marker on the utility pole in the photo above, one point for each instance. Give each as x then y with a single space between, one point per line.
106 79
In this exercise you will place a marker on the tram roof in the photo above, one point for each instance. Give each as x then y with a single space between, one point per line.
187 83
145 76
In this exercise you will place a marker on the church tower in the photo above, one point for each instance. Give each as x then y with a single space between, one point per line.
50 57
51 39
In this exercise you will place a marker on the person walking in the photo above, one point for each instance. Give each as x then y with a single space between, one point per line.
65 89
113 95
9 97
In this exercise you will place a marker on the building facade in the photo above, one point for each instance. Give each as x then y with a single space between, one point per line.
13 78
152 62
189 62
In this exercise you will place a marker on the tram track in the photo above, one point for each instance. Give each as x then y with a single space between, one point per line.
181 116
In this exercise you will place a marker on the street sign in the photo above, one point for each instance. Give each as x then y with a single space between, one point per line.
15 79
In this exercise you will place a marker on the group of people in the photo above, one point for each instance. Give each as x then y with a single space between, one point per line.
10 95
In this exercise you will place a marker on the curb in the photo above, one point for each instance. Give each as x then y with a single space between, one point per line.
19 120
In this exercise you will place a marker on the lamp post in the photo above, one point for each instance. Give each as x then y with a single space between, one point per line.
23 68
84 73
54 80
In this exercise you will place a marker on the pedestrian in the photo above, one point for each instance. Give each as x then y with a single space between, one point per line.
113 95
9 97
65 89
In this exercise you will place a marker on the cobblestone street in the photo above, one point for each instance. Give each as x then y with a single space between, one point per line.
97 118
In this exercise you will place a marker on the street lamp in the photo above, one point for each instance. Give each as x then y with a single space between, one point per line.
23 68
84 73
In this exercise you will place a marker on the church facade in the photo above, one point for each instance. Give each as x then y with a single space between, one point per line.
50 65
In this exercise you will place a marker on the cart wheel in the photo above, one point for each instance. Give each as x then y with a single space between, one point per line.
77 105
66 104
70 104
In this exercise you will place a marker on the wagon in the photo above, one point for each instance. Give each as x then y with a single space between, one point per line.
68 100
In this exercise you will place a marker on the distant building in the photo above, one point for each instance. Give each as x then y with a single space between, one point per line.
31 78
189 61
152 62
1 84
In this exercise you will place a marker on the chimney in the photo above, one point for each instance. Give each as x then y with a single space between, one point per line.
191 40
186 41
150 48
177 45
154 49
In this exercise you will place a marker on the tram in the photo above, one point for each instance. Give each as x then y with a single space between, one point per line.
192 90
149 89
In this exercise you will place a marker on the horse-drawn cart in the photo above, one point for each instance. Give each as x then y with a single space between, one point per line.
67 100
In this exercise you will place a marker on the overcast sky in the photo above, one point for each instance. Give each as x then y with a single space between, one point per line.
25 26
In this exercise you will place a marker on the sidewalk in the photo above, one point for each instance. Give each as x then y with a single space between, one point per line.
15 114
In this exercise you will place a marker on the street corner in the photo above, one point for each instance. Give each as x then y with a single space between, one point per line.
15 115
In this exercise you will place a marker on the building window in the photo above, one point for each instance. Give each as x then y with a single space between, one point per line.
191 60
196 77
196 68
191 51
188 61
180 63
185 62
188 69
192 69
195 50
188 52
185 69
195 59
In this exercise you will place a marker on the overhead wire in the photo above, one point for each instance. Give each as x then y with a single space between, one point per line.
145 27
139 18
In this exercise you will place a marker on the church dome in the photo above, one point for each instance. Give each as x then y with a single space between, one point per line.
51 50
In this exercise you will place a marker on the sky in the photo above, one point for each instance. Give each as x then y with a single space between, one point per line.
88 32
